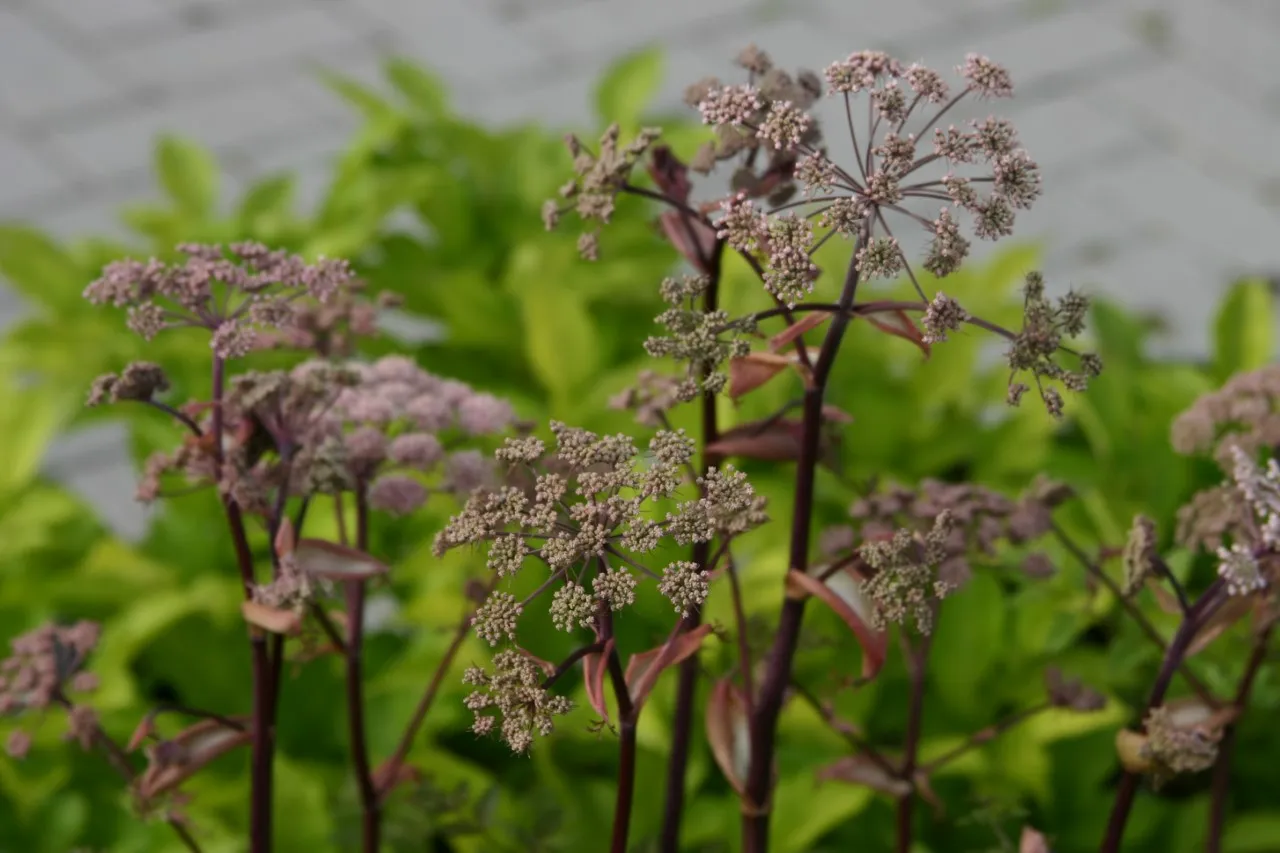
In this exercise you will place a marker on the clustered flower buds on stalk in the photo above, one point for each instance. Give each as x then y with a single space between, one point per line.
588 512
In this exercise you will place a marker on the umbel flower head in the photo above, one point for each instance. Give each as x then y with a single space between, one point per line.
244 296
326 428
1238 520
589 511
44 666
902 155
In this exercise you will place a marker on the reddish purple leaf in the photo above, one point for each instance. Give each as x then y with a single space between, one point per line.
842 592
594 667
336 562
644 668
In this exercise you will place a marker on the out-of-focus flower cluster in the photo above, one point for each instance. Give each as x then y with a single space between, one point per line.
1237 424
248 297
586 510
917 543
598 178
43 667
703 340
326 428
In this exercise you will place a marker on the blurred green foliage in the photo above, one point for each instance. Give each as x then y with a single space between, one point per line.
525 318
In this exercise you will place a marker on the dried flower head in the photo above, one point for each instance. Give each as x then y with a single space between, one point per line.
1140 554
1044 327
904 585
1175 748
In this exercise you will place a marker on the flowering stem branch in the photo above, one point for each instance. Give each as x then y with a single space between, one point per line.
983 736
1136 614
263 679
1200 611
1221 786
686 687
370 812
768 707
119 759
627 715
916 658
369 805
396 761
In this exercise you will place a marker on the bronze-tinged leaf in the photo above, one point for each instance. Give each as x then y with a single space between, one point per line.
644 668
1033 841
778 440
858 769
729 733
273 620
146 728
693 239
1167 601
285 539
861 769
1236 608
174 761
792 333
904 328
594 667
748 373
388 777
546 666
336 562
669 173
842 592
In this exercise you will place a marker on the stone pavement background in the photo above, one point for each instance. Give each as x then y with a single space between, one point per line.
1156 122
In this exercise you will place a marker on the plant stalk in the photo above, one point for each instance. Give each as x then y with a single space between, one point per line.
264 699
1221 785
687 684
768 707
1127 790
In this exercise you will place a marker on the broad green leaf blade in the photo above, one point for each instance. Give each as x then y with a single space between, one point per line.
1245 329
188 173
628 87
30 419
39 269
420 88
560 335
269 200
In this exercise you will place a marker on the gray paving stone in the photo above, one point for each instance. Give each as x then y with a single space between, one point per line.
221 120
24 175
1179 109
41 75
269 37
102 19
466 41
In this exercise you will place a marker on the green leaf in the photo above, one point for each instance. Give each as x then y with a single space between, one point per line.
628 86
269 200
560 335
30 419
968 642
373 106
188 173
1257 832
420 88
40 269
1244 329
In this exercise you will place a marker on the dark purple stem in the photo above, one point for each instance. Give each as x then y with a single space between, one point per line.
370 806
1221 786
263 746
687 685
916 662
1127 790
627 715
764 719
